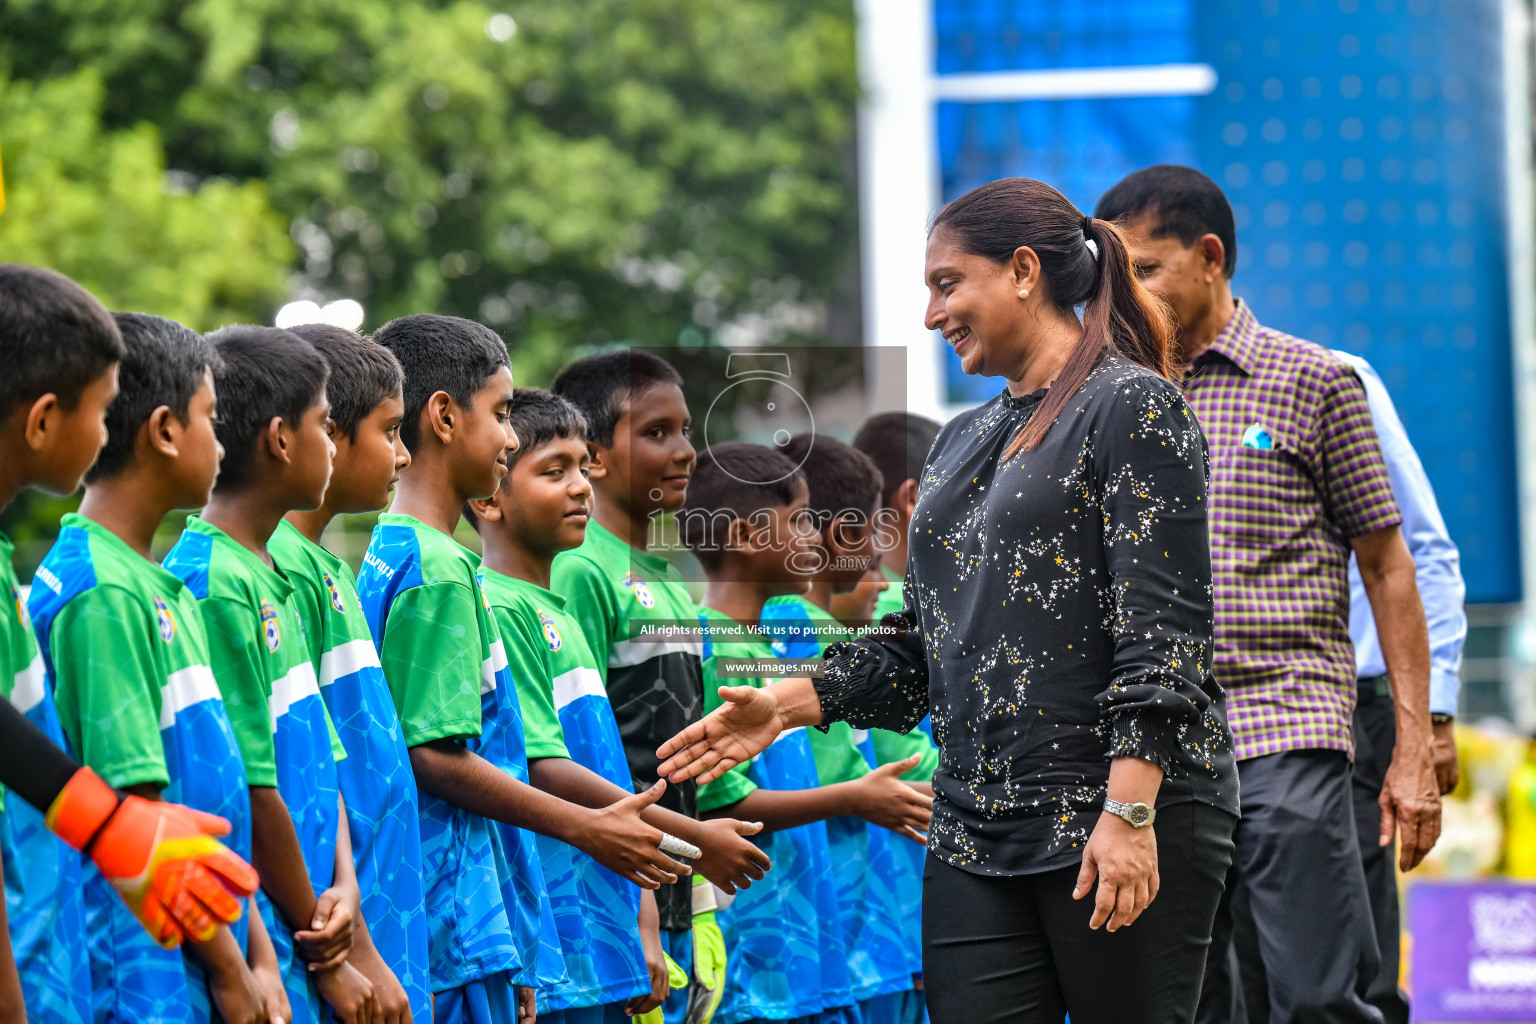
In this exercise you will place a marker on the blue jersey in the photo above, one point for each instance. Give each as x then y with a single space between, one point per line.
261 661
377 783
42 875
127 659
866 868
526 897
786 956
446 669
566 714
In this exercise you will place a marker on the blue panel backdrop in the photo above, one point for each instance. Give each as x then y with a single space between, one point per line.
1362 148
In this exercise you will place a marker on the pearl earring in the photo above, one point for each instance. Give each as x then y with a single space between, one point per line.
1023 293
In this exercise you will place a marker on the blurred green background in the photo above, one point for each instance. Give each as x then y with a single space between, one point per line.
659 172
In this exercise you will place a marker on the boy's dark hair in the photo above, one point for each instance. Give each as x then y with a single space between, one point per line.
440 353
364 374
897 443
163 363
732 480
1183 201
266 372
54 337
600 385
841 478
536 418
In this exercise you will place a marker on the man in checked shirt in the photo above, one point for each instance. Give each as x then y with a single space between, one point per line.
1297 484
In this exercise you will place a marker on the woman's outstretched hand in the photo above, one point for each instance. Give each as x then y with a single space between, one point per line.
736 731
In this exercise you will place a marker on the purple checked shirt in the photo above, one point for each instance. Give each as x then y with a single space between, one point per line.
1296 474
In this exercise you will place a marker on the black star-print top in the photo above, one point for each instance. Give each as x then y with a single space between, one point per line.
1057 615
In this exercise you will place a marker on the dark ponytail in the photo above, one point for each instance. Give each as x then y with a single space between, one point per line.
1119 315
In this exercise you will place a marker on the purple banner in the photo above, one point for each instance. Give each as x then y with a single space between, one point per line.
1474 951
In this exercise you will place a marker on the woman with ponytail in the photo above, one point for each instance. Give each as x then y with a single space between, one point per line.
1057 626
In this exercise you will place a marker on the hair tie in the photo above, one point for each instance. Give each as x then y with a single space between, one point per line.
1093 246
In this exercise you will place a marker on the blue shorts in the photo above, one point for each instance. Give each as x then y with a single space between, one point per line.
905 1007
840 1015
488 1000
608 1013
678 946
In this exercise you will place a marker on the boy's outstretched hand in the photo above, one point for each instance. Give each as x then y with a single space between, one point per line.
726 858
885 800
163 859
620 841
733 733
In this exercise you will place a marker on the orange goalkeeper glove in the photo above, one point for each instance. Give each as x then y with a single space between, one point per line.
178 880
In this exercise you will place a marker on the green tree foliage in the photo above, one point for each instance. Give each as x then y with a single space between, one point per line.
572 173
96 203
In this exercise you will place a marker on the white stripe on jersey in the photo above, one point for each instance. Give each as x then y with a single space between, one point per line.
490 666
786 734
28 689
578 683
859 736
185 687
638 652
352 656
299 683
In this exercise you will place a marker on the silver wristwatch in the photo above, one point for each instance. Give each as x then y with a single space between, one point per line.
1139 815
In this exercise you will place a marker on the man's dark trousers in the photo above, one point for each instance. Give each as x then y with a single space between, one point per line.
1295 921
1375 736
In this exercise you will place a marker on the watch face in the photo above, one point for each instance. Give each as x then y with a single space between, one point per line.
1138 814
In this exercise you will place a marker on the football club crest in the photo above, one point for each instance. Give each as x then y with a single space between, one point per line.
270 630
21 609
551 634
163 620
642 592
330 585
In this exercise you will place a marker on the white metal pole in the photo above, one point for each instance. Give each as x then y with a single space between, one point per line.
898 188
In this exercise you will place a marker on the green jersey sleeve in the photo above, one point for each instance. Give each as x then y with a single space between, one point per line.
589 600
431 656
837 759
894 746
734 784
107 686
241 672
311 605
338 752
534 678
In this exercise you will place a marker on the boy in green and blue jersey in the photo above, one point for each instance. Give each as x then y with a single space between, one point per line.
61 351
447 669
898 444
844 489
277 457
128 661
377 785
638 434
541 507
789 960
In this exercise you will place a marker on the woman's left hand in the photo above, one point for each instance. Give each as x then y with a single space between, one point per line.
1124 859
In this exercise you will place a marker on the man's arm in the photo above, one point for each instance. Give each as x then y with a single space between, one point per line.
1438 566
1410 797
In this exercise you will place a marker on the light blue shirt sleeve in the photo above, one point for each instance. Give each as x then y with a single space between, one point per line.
1434 556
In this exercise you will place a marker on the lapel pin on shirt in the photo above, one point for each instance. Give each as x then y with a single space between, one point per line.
1257 436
